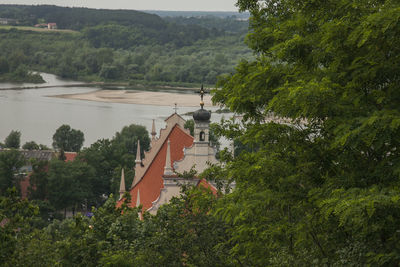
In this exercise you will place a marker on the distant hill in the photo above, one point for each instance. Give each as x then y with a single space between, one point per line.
78 18
228 25
199 14
112 28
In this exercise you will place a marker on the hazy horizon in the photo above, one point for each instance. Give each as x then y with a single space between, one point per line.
156 5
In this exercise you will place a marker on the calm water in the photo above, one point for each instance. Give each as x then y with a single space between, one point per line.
37 116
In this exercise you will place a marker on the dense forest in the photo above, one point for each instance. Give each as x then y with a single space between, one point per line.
120 45
321 189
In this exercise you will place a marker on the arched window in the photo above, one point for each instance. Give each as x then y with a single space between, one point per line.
202 136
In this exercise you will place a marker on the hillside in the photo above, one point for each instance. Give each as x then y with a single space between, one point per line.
110 28
78 18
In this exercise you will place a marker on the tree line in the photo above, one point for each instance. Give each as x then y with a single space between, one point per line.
96 55
57 185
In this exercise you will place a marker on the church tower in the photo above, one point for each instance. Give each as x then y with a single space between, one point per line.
201 128
200 154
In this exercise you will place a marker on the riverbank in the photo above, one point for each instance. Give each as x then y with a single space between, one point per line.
21 75
106 85
140 97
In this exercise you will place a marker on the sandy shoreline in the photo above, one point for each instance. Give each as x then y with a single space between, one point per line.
140 97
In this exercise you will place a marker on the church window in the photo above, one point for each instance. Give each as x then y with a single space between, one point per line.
202 136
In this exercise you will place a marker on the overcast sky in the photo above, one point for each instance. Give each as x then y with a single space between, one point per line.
181 5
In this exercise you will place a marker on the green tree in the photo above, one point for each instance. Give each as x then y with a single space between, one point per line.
13 140
69 184
107 157
38 180
32 145
184 232
105 161
3 65
124 146
10 163
326 178
126 140
15 217
43 147
189 124
67 139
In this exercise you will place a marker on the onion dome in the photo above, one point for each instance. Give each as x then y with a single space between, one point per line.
201 115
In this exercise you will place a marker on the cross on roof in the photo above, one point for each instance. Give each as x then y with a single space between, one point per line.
176 108
202 92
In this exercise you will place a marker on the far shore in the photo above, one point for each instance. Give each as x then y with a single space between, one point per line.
97 84
140 97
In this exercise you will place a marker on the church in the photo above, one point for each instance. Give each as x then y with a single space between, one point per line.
157 176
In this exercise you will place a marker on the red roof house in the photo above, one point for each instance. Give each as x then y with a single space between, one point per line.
45 155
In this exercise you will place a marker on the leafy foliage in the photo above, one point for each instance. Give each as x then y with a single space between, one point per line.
326 178
15 218
182 233
69 184
10 163
108 157
31 145
67 139
13 140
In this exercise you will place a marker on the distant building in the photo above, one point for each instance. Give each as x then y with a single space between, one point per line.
41 25
49 26
52 26
40 155
157 177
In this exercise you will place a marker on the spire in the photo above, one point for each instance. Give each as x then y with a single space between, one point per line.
167 168
138 161
153 131
122 185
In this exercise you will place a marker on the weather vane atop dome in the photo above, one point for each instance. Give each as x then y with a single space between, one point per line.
202 92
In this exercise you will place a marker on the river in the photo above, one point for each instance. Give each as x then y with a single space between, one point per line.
37 116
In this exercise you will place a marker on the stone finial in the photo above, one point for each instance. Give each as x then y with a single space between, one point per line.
122 185
138 198
168 169
138 204
153 131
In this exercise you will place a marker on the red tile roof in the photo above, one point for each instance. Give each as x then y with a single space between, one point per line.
24 183
70 156
205 184
151 184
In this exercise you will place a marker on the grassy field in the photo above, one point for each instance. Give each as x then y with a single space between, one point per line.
28 28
